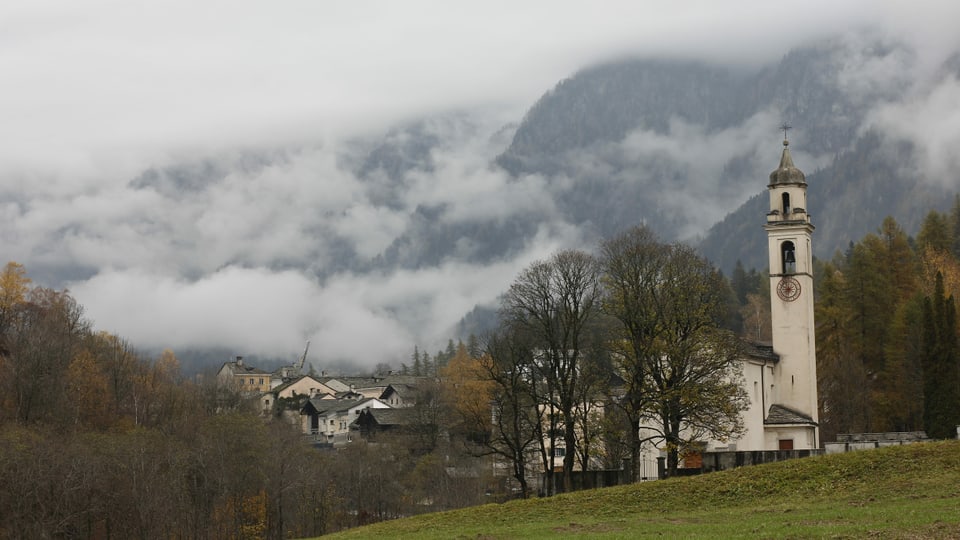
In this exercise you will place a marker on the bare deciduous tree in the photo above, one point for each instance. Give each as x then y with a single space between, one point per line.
555 302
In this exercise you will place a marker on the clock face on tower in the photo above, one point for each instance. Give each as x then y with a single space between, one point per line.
788 289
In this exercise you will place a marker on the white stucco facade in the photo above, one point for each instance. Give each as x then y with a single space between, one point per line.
780 378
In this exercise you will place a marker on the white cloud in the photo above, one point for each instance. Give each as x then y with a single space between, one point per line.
265 94
931 120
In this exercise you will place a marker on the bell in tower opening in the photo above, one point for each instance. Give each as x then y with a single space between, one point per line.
789 258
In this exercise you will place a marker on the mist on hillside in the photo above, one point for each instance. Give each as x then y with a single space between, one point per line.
376 226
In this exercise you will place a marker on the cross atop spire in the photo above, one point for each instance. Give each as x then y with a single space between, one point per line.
785 128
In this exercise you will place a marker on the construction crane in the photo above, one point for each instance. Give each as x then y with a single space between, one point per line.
303 358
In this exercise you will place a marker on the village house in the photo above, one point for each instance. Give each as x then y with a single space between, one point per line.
247 379
329 420
373 386
400 395
305 386
373 422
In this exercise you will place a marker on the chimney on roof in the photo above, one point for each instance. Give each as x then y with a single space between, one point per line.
240 361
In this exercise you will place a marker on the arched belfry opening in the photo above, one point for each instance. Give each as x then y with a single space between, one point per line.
786 204
789 256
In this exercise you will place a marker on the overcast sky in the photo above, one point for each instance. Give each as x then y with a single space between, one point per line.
96 93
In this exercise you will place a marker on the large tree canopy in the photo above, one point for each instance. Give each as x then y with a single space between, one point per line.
681 369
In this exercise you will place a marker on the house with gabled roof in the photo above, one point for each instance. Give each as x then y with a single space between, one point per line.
400 395
304 386
372 422
329 420
373 386
244 377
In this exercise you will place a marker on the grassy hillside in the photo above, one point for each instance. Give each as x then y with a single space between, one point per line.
899 492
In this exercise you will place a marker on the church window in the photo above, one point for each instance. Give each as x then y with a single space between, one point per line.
786 203
789 257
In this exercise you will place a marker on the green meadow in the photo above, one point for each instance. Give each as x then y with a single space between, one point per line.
910 491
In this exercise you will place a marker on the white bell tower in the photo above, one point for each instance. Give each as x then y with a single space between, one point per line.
791 420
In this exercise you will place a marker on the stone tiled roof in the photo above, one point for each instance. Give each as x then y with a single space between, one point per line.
402 390
243 369
780 414
324 406
292 382
392 417
409 380
760 350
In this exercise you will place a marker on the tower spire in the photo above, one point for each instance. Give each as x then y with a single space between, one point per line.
794 379
785 127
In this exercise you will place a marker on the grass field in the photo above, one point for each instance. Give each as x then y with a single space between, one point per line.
908 491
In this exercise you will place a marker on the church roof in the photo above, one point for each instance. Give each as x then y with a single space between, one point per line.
760 350
787 173
780 414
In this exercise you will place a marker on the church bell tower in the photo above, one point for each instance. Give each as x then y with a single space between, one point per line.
791 420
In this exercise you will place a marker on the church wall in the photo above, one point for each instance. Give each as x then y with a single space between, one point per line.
803 437
757 379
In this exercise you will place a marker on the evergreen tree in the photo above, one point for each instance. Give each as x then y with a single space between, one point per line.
955 225
901 381
941 373
449 353
417 363
898 260
935 233
841 379
429 366
740 281
474 348
869 292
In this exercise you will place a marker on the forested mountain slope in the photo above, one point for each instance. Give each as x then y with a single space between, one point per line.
848 198
676 145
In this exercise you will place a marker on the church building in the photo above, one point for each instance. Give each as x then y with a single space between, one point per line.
781 378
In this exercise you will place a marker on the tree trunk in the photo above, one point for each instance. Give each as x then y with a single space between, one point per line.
634 449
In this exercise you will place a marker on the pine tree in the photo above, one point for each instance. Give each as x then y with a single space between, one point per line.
898 259
941 373
429 367
740 281
935 233
901 381
955 225
841 378
473 346
417 363
868 290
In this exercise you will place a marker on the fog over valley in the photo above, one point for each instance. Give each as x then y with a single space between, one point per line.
242 177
